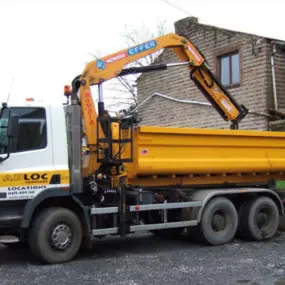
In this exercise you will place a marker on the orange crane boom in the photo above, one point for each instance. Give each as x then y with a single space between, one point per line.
98 71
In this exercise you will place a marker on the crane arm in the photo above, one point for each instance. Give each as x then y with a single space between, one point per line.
110 66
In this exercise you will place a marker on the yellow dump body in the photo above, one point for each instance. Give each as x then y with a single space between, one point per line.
172 152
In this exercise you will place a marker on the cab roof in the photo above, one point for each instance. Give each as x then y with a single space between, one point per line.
33 104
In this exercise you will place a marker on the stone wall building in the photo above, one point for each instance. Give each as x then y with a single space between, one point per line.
242 62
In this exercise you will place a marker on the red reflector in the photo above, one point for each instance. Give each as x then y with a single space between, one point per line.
137 207
64 188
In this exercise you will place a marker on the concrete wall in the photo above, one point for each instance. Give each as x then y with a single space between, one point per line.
254 91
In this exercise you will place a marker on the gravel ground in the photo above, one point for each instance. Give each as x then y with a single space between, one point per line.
146 259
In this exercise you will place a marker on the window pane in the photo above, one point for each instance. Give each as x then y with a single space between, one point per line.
235 69
32 129
225 70
3 132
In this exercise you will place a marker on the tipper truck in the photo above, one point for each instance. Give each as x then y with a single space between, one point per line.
55 196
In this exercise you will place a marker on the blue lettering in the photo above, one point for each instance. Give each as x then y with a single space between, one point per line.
152 43
142 47
130 51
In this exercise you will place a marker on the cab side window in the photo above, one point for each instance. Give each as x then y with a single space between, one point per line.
3 132
32 133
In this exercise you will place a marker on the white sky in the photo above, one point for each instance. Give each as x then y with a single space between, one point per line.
45 43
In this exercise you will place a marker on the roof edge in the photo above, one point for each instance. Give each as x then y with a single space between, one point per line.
184 24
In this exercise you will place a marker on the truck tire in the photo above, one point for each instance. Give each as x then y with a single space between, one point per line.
55 235
259 219
218 223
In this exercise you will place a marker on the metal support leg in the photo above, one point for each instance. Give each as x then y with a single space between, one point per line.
101 109
164 213
122 212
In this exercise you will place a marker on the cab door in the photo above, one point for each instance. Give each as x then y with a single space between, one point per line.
25 173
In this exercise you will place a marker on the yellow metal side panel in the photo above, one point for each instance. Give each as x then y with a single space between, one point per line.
205 179
179 151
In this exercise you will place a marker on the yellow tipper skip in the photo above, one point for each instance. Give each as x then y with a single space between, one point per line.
173 155
69 174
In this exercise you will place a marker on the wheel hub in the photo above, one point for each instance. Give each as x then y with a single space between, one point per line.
218 222
262 219
61 236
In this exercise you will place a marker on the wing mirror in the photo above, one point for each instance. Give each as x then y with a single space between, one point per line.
12 133
13 126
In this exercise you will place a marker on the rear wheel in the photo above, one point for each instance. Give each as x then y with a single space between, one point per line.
55 235
218 223
259 219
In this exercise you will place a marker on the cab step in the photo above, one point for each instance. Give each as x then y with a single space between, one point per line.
9 239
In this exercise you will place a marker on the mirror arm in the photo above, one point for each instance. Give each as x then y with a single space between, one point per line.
4 106
6 157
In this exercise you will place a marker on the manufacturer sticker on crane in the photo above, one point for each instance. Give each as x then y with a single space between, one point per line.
144 152
196 55
116 57
100 64
141 48
227 105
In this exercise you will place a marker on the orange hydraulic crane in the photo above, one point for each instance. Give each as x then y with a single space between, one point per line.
98 71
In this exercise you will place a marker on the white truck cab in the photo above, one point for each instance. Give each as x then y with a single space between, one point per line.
38 151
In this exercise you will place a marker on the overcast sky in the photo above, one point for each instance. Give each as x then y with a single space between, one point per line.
45 43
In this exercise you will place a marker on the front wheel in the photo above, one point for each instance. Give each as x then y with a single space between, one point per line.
55 235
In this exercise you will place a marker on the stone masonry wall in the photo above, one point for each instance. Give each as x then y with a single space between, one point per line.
175 82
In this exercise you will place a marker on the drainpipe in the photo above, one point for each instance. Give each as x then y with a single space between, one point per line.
188 102
172 99
273 77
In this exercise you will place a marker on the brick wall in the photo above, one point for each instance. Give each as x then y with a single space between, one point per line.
253 91
279 60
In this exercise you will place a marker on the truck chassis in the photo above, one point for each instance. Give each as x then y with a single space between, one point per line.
58 227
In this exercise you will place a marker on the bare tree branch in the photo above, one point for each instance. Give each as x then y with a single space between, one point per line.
133 36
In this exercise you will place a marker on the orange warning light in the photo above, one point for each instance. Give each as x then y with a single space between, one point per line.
67 90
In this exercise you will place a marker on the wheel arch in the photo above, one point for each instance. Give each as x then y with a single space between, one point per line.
55 198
